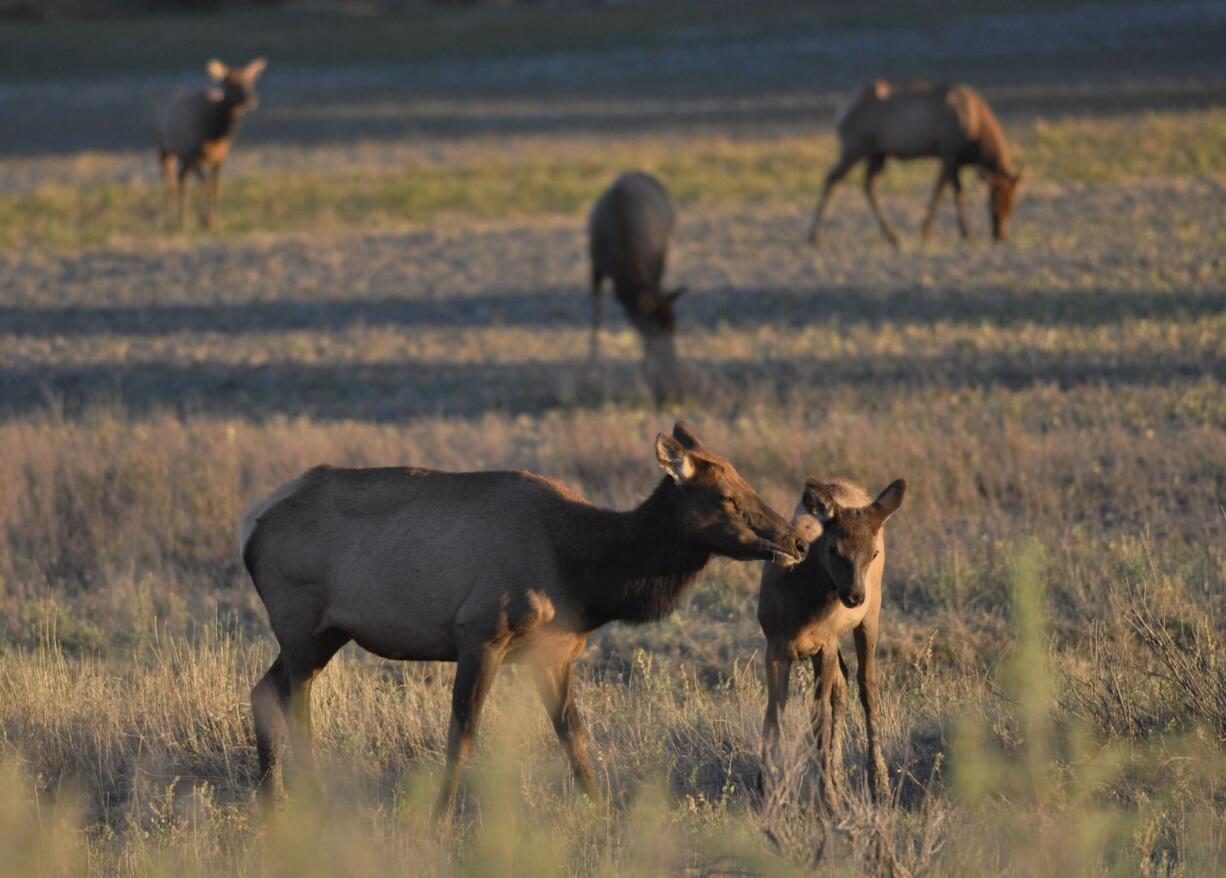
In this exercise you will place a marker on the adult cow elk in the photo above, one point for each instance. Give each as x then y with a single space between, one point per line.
479 569
952 123
195 130
628 232
804 611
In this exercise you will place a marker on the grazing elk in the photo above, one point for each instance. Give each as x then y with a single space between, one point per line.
806 609
628 233
196 130
479 569
952 123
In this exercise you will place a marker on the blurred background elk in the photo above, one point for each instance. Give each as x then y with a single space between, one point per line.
195 131
951 123
628 232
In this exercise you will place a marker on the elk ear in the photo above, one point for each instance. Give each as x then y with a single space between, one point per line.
674 459
253 70
889 500
216 69
685 434
818 501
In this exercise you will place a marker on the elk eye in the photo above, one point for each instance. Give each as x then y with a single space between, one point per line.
876 553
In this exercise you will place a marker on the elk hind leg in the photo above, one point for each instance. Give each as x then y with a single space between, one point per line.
304 659
872 171
269 707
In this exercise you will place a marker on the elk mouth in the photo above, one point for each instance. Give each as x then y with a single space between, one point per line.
784 560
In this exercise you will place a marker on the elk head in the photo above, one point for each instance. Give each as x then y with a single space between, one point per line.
718 510
1003 190
848 544
236 85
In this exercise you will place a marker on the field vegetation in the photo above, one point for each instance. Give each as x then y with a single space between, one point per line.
1054 670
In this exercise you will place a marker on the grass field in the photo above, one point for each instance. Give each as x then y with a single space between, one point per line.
1053 668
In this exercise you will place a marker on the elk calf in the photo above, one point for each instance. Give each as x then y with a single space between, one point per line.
481 569
196 130
628 232
806 609
952 123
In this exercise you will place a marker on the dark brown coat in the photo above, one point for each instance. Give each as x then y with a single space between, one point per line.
478 569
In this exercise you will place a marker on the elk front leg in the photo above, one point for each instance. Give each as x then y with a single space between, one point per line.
181 192
956 182
475 672
213 201
937 192
778 672
837 173
554 685
866 648
871 171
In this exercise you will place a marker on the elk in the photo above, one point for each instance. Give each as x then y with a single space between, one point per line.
952 123
479 569
804 610
195 130
628 232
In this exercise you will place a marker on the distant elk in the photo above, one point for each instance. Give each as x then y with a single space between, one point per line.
804 611
952 123
480 569
628 232
195 130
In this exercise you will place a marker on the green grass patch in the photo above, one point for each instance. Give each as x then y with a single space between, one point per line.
563 180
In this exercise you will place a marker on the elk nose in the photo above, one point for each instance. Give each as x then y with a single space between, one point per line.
802 548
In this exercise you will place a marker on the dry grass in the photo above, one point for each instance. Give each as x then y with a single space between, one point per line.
1053 634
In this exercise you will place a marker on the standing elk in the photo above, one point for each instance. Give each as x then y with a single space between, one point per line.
628 232
806 609
196 130
952 123
479 569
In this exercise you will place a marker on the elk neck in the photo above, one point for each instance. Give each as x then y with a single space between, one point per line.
631 566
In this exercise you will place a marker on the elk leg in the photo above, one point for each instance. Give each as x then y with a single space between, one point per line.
214 199
837 716
937 192
866 648
554 685
475 672
597 314
181 191
168 176
871 171
956 182
269 705
837 173
825 669
778 673
303 662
